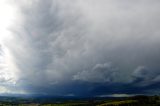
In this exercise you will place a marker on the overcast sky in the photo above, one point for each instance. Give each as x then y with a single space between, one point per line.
80 47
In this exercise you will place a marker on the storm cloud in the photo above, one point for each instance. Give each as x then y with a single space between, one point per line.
84 46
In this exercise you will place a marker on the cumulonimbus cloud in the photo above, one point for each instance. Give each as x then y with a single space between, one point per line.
55 42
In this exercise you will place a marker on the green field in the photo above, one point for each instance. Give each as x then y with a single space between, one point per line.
130 101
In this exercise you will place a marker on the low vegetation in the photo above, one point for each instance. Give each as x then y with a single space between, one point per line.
131 101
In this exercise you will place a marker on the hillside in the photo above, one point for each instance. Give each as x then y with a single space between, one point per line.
125 101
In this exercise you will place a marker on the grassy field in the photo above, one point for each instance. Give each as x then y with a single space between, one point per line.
119 102
131 101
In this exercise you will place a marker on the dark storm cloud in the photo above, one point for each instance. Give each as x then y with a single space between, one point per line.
143 76
86 46
46 40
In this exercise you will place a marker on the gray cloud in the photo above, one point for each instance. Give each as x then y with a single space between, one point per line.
100 73
48 41
143 76
55 41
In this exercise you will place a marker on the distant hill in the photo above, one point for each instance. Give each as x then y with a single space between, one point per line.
140 100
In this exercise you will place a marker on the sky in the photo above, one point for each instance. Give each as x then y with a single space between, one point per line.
80 47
